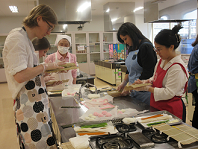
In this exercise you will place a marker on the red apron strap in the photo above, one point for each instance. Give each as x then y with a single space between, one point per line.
185 88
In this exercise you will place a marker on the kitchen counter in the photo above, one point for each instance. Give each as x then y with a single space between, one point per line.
84 78
67 116
123 71
108 71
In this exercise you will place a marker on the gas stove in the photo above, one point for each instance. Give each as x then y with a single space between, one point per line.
125 128
111 141
155 135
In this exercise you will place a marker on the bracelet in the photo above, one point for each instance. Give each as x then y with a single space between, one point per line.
43 67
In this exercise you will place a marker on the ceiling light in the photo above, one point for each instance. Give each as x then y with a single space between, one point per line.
108 10
14 9
138 8
113 20
84 6
64 26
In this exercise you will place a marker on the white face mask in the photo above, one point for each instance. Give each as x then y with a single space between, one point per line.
63 50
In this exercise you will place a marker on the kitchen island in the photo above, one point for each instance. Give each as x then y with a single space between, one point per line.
66 117
108 71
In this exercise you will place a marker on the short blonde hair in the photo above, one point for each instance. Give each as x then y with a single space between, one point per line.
45 11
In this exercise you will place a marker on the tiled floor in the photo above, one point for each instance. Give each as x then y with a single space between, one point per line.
8 132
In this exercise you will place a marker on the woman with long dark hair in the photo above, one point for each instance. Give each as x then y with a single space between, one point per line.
141 59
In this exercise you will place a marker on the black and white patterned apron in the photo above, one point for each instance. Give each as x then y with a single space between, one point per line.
32 116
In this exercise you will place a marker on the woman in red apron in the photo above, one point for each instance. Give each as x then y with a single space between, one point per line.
169 81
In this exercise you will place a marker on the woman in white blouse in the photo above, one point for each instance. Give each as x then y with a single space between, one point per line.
25 79
170 78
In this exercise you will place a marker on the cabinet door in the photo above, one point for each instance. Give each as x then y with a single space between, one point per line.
2 41
107 41
91 68
84 67
1 57
94 47
81 48
96 70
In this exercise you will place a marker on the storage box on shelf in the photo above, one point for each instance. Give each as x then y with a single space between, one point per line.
2 71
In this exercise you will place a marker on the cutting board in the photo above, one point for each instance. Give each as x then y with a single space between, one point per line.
68 145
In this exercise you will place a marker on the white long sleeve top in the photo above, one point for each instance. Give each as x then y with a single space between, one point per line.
174 81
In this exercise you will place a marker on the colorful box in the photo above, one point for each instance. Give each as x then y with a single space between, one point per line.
110 51
121 51
115 53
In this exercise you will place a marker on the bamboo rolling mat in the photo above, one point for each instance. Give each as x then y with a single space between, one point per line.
117 93
52 82
59 70
176 133
188 130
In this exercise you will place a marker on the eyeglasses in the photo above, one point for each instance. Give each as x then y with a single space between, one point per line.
157 50
50 27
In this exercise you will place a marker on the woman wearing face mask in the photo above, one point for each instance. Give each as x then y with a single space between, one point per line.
64 43
41 47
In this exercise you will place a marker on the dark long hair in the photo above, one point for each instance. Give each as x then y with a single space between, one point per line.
133 32
41 44
169 37
195 42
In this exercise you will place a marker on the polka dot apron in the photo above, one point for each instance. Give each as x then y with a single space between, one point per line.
32 116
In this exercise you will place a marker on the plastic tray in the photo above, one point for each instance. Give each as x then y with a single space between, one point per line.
144 125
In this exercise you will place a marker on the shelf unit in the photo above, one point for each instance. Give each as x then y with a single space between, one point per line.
2 71
87 46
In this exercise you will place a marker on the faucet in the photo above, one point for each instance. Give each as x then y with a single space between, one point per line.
86 84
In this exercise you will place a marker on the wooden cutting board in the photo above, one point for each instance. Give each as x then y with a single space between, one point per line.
68 145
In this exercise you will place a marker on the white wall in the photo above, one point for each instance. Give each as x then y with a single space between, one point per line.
145 28
97 24
8 23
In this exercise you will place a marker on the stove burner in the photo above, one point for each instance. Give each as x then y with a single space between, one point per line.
159 138
155 136
113 142
111 145
123 128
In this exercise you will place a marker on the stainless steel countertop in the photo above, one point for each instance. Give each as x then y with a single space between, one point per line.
65 116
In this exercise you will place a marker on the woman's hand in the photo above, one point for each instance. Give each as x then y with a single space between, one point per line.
125 93
144 88
55 84
53 65
48 78
122 85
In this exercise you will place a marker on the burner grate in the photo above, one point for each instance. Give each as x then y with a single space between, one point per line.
155 136
111 141
124 128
